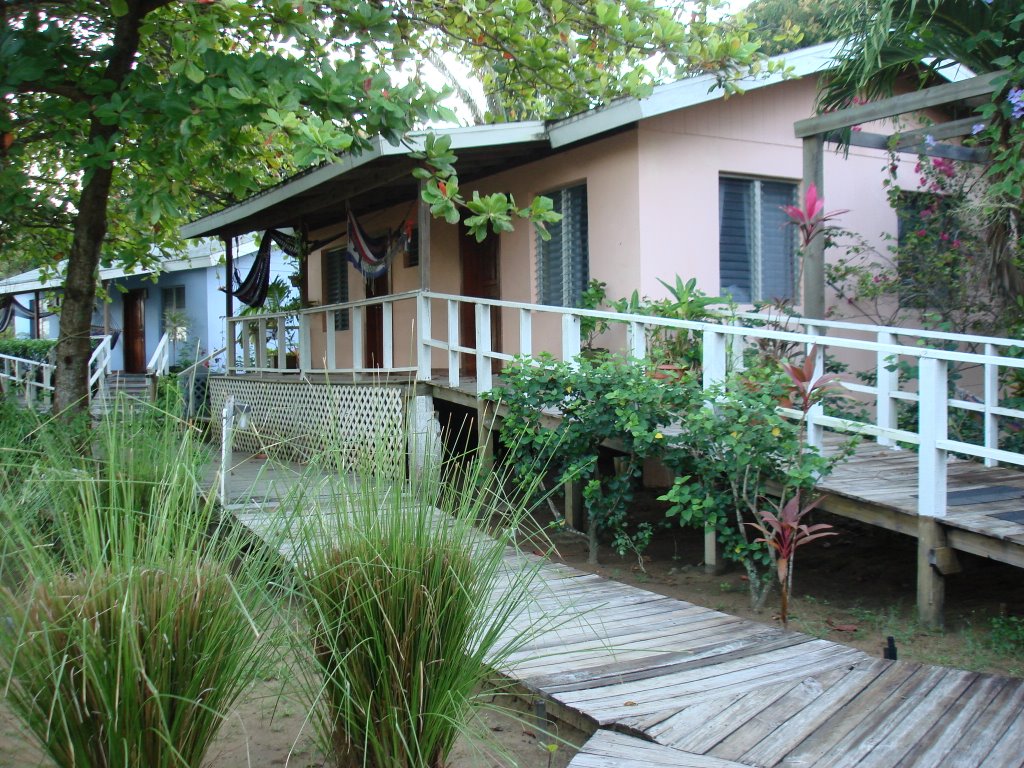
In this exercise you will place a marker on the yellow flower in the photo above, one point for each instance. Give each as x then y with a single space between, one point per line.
735 434
776 432
658 436
568 390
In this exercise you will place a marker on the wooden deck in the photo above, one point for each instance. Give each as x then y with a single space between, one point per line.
661 682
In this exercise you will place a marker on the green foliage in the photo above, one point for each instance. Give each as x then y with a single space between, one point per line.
1006 636
785 25
28 349
685 302
887 40
731 454
134 625
407 606
601 400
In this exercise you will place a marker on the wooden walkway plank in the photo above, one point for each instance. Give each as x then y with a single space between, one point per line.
607 749
937 742
703 689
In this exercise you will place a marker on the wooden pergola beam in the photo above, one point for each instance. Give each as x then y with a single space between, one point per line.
915 145
937 95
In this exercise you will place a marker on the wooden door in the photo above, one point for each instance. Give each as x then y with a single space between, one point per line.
133 331
481 277
374 319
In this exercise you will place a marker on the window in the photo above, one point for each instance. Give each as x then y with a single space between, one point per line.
336 285
172 310
756 244
563 262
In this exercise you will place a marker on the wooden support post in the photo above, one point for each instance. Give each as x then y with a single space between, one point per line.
423 218
933 413
575 518
229 303
931 585
485 415
713 560
814 253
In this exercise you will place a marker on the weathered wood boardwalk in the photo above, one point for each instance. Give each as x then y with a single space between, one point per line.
661 682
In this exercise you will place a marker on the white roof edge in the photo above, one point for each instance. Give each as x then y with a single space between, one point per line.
30 281
680 94
464 137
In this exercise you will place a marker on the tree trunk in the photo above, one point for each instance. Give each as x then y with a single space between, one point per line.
71 377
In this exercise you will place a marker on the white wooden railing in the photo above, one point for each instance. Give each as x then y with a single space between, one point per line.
99 367
160 363
528 329
32 379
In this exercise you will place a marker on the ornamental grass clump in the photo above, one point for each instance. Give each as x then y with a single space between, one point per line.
131 622
408 604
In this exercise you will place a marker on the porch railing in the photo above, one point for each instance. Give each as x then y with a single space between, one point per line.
160 363
30 379
99 367
927 360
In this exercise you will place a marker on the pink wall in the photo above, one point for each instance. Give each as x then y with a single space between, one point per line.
652 205
682 155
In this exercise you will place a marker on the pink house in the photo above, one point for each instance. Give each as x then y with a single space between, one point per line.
685 182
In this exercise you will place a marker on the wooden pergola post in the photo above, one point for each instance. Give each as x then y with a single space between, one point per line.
813 266
935 559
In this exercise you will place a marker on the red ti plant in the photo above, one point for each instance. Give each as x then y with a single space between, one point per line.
783 530
805 391
810 219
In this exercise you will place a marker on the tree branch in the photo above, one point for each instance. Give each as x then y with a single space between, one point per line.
67 89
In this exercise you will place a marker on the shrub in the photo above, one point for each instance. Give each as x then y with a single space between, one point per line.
598 400
28 349
135 623
408 606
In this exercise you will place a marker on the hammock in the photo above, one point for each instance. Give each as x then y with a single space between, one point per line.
373 255
10 307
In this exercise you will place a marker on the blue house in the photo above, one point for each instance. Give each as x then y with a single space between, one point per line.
181 297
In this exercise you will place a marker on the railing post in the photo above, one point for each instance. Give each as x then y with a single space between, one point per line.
358 314
815 432
261 343
887 382
453 342
282 334
636 340
331 340
305 343
715 357
47 385
483 348
570 338
388 322
933 412
227 435
526 332
991 400
424 331
229 342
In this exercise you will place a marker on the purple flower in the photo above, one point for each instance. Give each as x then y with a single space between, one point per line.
929 140
978 127
1016 100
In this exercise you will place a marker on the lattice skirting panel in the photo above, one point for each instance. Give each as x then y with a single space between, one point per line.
296 421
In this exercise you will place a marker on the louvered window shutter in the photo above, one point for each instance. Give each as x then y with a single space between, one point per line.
563 262
336 285
756 245
735 238
778 276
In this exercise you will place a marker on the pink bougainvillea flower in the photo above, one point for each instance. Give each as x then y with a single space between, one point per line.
810 219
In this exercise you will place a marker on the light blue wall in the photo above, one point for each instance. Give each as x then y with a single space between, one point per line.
204 305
